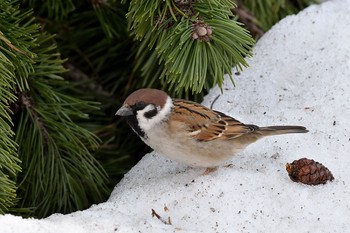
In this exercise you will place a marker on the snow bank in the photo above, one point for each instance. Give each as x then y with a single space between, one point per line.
300 74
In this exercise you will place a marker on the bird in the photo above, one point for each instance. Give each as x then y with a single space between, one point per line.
190 133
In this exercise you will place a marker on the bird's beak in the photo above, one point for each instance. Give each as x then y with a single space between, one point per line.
124 111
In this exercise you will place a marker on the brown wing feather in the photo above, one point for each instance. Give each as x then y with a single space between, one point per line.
205 124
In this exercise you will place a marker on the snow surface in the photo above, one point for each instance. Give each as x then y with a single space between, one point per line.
300 74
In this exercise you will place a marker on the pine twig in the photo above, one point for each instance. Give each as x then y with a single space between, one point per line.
27 102
249 20
9 44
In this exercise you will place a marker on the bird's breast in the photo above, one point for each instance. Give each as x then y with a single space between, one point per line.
181 147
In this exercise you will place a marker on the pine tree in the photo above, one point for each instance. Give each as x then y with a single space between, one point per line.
58 171
66 65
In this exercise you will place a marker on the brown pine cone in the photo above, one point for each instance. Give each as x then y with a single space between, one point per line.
308 171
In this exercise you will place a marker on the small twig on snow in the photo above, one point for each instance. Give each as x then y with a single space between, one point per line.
212 103
154 213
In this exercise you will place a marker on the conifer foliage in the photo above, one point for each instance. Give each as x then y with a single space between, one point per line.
59 174
196 42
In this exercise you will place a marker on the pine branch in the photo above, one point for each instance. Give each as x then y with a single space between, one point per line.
100 70
14 43
59 173
196 41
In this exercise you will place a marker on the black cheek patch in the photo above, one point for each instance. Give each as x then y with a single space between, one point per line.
151 113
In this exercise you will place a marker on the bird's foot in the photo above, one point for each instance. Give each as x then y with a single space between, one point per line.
209 170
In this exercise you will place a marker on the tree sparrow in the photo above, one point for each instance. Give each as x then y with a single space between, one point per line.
188 132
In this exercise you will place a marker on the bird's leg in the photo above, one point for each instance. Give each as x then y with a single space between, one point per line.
209 170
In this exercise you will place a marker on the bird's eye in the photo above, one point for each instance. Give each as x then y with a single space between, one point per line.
153 110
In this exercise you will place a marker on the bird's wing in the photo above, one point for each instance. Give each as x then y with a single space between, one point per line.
204 124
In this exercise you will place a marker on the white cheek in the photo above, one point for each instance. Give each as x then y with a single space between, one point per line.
146 123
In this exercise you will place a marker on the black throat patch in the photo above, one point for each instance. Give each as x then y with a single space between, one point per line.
134 124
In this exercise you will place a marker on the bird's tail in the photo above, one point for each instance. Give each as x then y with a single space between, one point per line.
275 130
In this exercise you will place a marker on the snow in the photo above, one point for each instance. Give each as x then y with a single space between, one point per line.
300 74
